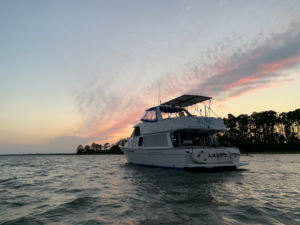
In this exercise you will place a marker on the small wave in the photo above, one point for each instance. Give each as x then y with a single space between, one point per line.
24 220
7 180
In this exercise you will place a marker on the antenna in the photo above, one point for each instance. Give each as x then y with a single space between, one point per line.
209 107
158 93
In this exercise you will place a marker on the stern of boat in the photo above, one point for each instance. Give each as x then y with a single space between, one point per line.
214 158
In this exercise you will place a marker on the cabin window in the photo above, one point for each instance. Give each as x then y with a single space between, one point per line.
158 140
192 138
184 136
214 140
136 132
205 139
175 138
195 137
140 141
164 115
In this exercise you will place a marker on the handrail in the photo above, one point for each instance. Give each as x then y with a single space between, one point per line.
210 109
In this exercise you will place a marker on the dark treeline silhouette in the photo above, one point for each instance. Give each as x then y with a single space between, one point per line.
99 149
263 131
259 132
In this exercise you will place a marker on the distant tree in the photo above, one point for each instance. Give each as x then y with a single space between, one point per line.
87 149
93 147
80 150
117 143
106 146
116 150
97 148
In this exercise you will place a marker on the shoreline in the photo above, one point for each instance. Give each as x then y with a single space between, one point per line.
67 154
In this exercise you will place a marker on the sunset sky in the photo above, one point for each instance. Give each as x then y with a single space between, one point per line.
76 72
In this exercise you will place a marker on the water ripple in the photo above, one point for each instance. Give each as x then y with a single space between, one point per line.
107 190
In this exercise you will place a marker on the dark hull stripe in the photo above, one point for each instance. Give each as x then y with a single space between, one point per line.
169 167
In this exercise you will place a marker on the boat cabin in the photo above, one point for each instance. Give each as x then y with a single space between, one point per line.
172 125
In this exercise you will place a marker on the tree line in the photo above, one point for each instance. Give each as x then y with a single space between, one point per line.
99 149
263 131
260 131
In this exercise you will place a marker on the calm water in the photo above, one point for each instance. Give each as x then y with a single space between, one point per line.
107 190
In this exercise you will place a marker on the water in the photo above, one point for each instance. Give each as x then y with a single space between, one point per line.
106 190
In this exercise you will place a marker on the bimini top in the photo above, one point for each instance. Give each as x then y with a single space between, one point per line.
186 100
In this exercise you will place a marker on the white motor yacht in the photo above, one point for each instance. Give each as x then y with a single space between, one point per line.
171 136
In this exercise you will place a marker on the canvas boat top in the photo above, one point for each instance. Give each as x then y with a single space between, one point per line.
172 115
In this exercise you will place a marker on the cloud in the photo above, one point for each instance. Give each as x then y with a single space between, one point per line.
257 64
229 69
256 73
221 106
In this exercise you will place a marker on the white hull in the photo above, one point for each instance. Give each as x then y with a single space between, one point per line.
177 158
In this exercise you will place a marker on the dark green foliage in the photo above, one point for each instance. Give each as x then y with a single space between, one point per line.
264 131
116 150
98 149
80 150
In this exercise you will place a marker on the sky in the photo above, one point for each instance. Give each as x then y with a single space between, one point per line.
76 72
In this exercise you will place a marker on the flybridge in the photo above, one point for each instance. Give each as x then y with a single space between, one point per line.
176 108
186 100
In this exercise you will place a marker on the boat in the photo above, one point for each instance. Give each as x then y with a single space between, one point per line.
177 135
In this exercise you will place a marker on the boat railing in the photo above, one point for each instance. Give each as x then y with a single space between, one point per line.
189 111
207 110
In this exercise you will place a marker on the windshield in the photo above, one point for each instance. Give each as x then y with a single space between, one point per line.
173 112
150 115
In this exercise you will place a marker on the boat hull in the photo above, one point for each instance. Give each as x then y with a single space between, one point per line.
178 158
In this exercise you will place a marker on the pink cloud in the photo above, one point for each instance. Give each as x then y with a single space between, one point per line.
221 106
277 66
256 65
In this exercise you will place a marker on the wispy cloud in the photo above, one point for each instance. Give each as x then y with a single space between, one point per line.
227 70
221 106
